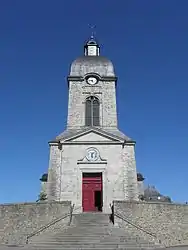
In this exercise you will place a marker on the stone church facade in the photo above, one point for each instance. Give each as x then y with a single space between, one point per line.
92 163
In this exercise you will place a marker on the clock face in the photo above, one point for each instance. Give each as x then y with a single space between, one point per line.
92 154
92 80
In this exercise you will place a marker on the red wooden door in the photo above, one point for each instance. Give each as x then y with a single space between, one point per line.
88 197
89 186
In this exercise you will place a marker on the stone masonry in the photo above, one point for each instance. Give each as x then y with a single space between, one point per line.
117 181
19 220
106 93
167 221
68 159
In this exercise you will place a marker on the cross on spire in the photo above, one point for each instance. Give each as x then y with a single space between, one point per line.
91 47
93 32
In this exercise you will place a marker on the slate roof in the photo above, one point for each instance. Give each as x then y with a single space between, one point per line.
93 60
86 64
108 132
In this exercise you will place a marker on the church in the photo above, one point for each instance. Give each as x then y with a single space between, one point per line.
92 163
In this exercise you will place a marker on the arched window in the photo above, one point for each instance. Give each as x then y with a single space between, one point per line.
92 111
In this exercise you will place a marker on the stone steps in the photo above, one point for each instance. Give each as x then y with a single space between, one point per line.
90 231
92 242
92 246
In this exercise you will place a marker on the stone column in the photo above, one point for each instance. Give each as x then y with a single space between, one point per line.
130 175
54 173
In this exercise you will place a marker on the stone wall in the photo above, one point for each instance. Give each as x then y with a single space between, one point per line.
167 221
54 173
58 227
105 91
117 165
19 220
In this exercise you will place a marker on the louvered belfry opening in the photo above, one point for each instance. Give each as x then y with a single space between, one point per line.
92 111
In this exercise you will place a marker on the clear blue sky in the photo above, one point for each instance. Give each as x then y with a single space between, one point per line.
147 42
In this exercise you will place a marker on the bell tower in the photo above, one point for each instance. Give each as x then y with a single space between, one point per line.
92 90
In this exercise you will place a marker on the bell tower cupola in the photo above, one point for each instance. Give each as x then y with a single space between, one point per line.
91 47
92 90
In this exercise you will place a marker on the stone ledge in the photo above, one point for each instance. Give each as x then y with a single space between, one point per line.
35 203
150 202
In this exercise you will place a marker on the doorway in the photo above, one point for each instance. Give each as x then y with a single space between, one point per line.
98 200
92 192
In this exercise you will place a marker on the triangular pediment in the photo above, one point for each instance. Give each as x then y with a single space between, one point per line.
92 136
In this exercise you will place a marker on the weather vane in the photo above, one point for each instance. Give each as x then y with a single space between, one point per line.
93 32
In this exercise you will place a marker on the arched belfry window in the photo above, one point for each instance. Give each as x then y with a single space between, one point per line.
92 111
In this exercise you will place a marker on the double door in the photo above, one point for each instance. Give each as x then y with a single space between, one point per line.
92 193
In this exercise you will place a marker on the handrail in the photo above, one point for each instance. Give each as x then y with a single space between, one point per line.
50 224
112 213
138 227
71 212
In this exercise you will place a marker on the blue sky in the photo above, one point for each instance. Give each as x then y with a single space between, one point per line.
147 42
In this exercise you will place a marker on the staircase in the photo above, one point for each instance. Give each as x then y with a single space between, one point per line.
90 231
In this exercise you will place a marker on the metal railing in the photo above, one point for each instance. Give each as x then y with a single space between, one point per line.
71 213
112 213
138 227
41 229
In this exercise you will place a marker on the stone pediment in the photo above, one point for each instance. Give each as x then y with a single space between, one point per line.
92 136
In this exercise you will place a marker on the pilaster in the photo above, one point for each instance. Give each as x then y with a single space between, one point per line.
54 173
130 173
